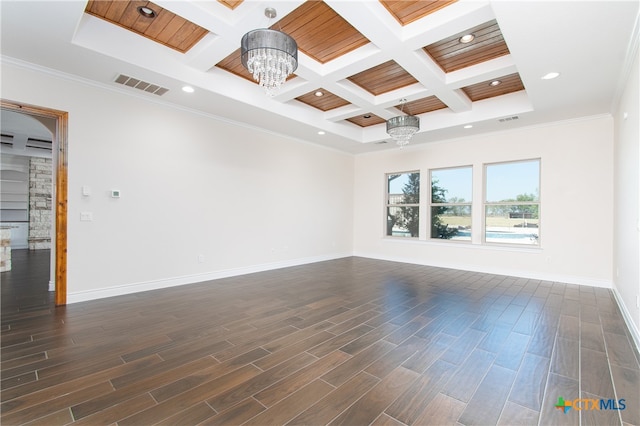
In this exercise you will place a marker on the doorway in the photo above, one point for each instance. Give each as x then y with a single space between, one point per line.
60 147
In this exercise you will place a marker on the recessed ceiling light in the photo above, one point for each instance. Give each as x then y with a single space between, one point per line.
188 89
366 116
468 126
321 132
495 83
467 38
319 93
147 12
550 76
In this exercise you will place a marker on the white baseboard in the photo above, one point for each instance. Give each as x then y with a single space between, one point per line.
563 278
84 296
633 328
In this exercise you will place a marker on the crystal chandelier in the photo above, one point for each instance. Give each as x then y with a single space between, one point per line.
270 55
403 127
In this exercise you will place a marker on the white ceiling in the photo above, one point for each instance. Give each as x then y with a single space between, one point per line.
587 42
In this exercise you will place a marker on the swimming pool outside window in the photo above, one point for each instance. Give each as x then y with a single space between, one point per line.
512 203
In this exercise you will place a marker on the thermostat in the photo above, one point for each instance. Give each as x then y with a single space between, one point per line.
115 193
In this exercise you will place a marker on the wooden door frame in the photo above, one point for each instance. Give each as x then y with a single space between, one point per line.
60 138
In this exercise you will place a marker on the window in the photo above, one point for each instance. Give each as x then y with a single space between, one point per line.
451 191
403 200
512 202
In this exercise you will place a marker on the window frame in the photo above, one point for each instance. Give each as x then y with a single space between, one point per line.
431 205
388 233
486 204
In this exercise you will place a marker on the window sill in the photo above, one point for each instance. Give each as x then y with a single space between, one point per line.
464 245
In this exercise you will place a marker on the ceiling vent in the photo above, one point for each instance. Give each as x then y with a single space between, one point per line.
515 117
141 85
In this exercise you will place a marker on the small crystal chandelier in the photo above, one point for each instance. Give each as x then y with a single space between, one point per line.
403 127
270 55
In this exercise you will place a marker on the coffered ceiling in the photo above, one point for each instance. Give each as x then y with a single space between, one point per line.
357 60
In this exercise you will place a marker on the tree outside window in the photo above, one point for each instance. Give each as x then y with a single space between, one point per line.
403 204
451 193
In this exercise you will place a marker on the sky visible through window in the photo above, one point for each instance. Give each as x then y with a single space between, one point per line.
504 181
507 181
397 184
457 182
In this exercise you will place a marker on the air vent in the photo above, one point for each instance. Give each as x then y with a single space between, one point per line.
6 140
502 120
380 142
39 144
141 85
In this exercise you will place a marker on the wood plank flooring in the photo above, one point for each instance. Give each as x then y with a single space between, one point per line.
352 341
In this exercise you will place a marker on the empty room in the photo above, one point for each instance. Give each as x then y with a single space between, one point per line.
320 212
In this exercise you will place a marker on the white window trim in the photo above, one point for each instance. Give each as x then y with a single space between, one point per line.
485 203
430 204
387 205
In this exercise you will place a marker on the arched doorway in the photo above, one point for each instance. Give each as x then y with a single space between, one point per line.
60 195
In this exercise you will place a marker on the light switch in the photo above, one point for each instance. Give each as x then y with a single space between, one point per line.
86 190
86 216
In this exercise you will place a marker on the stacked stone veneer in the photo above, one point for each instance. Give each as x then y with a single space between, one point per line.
5 249
40 203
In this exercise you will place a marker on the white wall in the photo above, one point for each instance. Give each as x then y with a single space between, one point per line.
627 201
190 185
576 232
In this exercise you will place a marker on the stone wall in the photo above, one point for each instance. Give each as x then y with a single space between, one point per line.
40 203
5 249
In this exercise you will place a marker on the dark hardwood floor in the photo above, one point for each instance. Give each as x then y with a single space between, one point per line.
353 341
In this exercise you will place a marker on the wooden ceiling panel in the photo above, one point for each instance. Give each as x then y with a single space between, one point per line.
337 45
508 84
320 32
326 102
451 55
115 11
165 28
161 28
421 106
383 78
130 17
406 11
231 4
233 64
99 8
366 120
